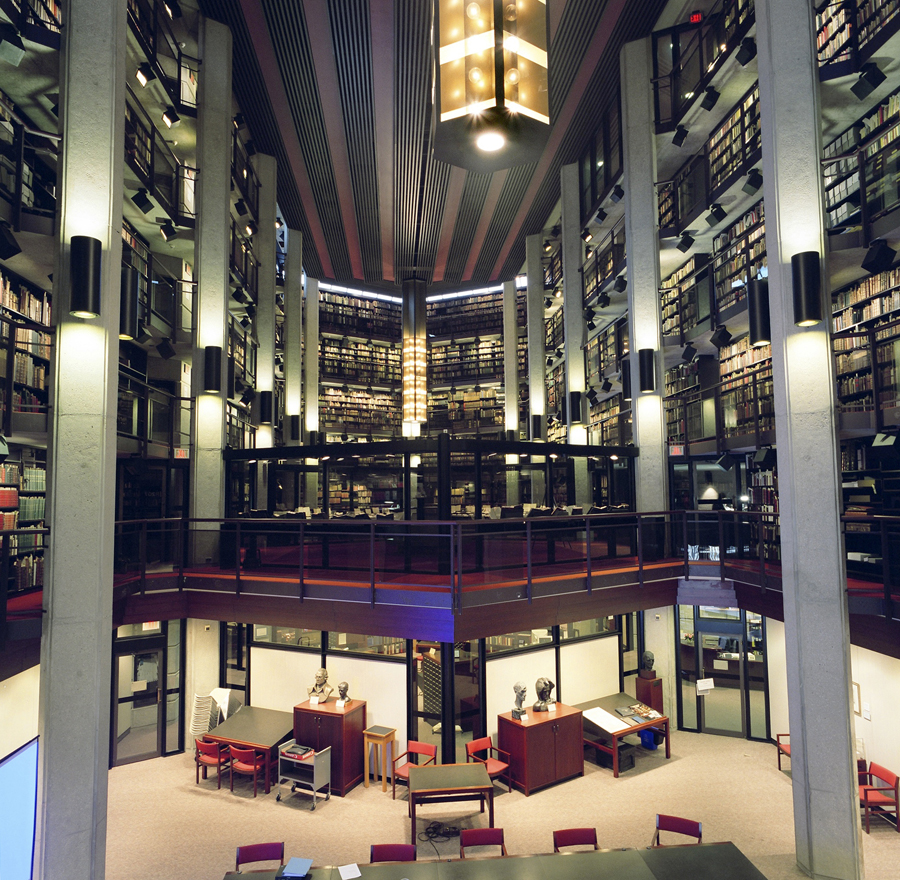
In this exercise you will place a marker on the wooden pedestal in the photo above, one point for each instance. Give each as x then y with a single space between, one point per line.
342 729
649 692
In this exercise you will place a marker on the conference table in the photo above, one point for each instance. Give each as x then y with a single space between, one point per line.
254 728
705 861
443 783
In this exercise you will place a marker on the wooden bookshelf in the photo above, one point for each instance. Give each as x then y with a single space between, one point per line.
735 142
23 485
352 360
459 363
763 492
834 28
873 17
746 390
739 254
478 410
344 315
480 315
359 411
684 297
554 331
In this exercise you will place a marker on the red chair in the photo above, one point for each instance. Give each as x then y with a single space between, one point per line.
259 852
414 749
676 825
495 767
208 755
879 790
392 852
784 747
481 837
575 837
249 762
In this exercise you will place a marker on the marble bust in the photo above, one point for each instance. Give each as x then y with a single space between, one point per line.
543 686
321 688
519 689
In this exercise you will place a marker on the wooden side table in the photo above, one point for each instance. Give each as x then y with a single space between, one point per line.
377 736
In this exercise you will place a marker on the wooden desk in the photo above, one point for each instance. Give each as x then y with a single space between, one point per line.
379 737
254 728
443 783
610 704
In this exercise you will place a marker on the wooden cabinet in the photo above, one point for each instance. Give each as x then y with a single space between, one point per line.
649 692
546 748
327 725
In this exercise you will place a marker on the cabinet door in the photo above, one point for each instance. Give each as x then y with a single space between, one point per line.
306 729
541 755
569 747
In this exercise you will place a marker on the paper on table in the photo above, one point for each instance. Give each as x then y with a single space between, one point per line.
347 872
297 867
606 720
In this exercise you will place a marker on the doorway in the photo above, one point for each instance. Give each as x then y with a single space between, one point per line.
138 712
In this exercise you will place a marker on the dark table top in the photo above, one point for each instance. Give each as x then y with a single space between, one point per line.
263 728
446 777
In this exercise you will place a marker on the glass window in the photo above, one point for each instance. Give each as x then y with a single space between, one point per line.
613 142
600 170
712 612
354 643
582 629
516 641
287 635
136 630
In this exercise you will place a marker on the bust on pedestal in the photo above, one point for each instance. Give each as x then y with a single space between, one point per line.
543 686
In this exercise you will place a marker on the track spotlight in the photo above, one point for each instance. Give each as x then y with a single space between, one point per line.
168 231
807 288
279 223
684 245
747 52
247 396
241 207
606 386
251 311
716 214
548 246
588 314
588 252
689 354
145 74
879 257
620 283
245 322
709 99
680 136
586 235
558 293
165 350
9 247
591 395
141 200
721 337
870 77
753 182
617 193
549 360
726 462
250 147
170 117
591 325
758 309
559 353
251 228
548 303
603 300
765 458
600 216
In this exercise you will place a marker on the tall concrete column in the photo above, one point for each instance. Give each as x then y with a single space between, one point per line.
211 258
537 384
823 767
76 648
641 221
264 248
293 333
311 375
511 382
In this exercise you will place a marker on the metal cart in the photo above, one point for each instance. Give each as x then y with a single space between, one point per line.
312 771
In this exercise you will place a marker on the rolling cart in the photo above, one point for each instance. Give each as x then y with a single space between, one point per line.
304 769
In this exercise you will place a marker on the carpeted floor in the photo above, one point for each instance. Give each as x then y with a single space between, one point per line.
166 827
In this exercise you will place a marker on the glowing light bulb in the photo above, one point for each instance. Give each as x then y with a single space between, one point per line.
490 141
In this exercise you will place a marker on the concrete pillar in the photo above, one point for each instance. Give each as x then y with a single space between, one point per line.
823 768
511 383
537 384
293 332
211 258
641 221
311 375
76 647
264 248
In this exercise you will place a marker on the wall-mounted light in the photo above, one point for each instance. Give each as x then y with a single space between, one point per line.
537 428
617 193
170 117
685 243
747 52
586 235
754 182
266 407
647 370
716 214
680 136
620 283
870 77
294 427
758 309
879 257
145 74
625 376
709 99
807 288
141 200
576 409
128 303
721 337
85 274
212 369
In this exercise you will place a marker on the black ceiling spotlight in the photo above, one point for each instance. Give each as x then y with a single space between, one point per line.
600 216
548 246
559 353
548 303
241 207
143 334
758 309
591 395
870 77
716 214
807 286
245 322
603 300
145 74
620 283
680 136
166 350
617 193
12 49
689 354
239 121
709 99
250 147
726 462
549 360
558 292
251 311
588 252
754 182
251 228
168 231
9 247
170 117
747 52
606 385
591 325
721 337
142 201
765 458
685 243
247 396
879 257
238 295
586 235
588 314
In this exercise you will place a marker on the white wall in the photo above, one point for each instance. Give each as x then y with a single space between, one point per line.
659 639
504 671
201 672
589 670
19 709
777 673
878 678
279 678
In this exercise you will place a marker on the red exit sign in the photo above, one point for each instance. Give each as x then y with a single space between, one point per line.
696 17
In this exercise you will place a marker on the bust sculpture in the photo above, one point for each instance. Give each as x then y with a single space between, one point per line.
321 688
343 687
646 670
519 689
543 686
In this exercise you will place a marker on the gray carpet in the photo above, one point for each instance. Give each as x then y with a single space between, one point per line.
164 826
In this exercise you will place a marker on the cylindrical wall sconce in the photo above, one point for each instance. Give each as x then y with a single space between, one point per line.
85 275
294 424
626 378
647 370
128 303
537 426
313 438
266 406
807 288
758 309
212 368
